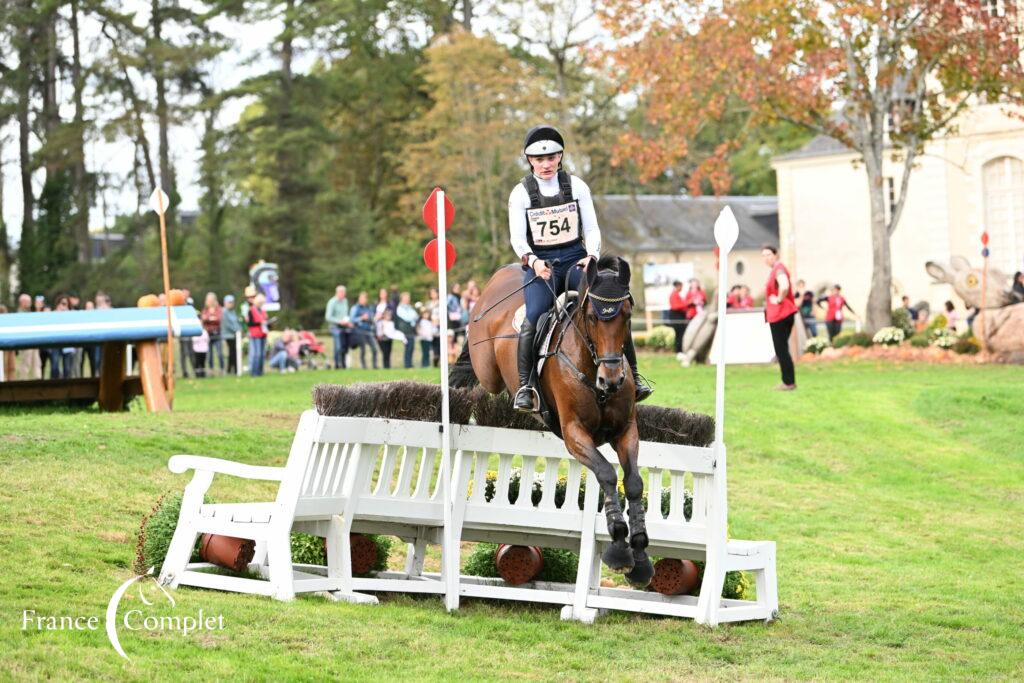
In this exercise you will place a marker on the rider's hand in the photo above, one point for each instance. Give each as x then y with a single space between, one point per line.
582 263
541 268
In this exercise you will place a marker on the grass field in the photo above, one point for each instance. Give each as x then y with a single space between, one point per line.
895 494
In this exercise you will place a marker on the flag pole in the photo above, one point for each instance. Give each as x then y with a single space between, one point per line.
160 202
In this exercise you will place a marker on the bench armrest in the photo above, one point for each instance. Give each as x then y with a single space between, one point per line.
182 463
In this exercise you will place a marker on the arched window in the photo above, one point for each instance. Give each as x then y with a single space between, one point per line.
1003 180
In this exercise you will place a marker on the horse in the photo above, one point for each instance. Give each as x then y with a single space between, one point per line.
586 383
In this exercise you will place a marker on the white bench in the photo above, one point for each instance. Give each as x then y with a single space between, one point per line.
382 476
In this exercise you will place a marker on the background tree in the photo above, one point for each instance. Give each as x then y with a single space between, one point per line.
882 76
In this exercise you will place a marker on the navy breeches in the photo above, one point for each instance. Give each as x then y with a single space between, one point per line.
539 296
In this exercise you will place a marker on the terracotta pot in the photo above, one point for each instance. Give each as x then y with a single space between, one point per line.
518 563
364 553
674 577
226 551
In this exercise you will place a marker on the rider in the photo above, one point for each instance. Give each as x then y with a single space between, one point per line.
551 218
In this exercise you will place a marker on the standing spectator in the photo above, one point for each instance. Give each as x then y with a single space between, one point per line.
383 307
835 303
696 299
7 357
362 332
39 306
200 347
952 318
454 307
337 316
469 298
230 325
211 319
257 323
779 312
387 334
677 315
434 306
426 330
187 357
1017 291
27 366
62 360
806 303
405 322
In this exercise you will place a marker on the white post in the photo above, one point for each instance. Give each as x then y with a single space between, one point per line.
128 358
450 548
238 353
726 232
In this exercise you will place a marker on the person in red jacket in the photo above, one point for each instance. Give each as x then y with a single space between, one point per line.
677 314
780 312
834 305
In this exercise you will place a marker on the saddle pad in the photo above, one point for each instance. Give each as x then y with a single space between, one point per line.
520 316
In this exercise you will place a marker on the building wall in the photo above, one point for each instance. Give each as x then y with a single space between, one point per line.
754 274
824 212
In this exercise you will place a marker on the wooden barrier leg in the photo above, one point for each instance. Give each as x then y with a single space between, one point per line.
112 374
151 371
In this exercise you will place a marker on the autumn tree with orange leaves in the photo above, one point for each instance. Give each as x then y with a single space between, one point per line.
881 76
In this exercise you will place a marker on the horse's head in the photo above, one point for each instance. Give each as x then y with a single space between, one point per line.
606 312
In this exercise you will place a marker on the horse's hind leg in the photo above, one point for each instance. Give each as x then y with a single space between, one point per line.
617 556
627 448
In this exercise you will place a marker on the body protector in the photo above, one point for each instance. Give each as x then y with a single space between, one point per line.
552 221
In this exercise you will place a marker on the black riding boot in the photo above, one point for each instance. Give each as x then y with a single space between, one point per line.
526 396
642 390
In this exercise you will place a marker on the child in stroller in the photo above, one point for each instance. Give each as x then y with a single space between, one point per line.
312 352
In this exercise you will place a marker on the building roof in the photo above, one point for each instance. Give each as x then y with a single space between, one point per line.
818 146
645 223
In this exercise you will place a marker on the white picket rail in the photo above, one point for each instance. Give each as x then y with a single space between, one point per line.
383 476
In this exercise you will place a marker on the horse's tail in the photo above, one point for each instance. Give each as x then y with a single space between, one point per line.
461 374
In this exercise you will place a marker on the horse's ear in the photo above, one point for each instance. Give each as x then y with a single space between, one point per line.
591 272
623 273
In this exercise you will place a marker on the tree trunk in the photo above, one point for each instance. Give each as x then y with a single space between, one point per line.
879 306
83 194
467 15
27 261
163 120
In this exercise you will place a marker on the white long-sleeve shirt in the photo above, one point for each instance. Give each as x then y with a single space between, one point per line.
519 202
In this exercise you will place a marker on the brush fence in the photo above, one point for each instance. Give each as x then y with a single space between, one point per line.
381 476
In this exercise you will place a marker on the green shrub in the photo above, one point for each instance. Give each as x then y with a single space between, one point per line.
155 533
920 340
968 345
901 319
939 322
661 337
842 339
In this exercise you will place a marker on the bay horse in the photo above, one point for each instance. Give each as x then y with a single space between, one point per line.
586 384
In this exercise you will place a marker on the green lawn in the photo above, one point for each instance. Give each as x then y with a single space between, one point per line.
895 494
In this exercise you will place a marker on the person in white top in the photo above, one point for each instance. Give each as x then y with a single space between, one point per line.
553 229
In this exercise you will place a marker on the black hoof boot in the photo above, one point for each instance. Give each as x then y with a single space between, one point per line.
642 572
618 558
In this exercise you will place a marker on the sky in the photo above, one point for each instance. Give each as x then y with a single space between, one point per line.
248 56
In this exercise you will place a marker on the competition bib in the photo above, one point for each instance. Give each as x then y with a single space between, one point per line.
554 225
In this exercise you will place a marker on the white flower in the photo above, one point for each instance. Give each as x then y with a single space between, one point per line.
816 345
889 336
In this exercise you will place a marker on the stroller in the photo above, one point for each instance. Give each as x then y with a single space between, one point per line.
312 352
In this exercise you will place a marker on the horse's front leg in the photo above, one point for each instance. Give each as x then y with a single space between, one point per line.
578 441
627 446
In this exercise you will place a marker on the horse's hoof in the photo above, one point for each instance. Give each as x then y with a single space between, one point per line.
642 573
618 559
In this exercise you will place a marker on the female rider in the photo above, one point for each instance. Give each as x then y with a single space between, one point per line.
553 229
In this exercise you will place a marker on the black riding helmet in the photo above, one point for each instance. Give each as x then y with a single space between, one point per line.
541 140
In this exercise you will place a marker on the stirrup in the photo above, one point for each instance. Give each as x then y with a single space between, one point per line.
529 391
